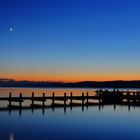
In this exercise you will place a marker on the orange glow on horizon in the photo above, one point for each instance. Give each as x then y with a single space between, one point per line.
71 77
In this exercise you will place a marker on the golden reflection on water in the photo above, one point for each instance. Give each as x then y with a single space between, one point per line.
47 91
4 92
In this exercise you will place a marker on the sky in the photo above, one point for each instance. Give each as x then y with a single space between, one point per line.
70 40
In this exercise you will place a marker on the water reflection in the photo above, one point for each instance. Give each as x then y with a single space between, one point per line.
100 107
85 122
11 136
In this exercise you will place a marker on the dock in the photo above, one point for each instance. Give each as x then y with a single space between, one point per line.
101 97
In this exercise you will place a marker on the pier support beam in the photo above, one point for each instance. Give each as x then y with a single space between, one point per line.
53 94
71 100
83 102
43 100
83 99
65 102
87 98
32 98
10 96
20 102
65 99
128 100
43 104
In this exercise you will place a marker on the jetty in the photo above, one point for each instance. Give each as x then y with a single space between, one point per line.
101 97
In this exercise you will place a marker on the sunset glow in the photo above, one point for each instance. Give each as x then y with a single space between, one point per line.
69 40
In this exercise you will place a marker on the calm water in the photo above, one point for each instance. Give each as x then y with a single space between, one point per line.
47 91
76 123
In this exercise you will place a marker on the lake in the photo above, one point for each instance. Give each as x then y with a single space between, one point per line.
105 123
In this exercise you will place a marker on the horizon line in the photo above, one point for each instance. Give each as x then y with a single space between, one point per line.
6 79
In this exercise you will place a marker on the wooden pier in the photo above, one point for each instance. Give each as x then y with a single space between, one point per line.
102 97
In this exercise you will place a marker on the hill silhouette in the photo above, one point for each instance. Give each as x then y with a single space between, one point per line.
83 84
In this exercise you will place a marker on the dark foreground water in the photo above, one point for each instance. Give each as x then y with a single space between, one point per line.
107 123
92 123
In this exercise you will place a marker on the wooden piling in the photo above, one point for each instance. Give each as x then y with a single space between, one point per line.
99 100
43 100
71 98
53 94
32 98
20 102
10 96
87 98
83 99
65 99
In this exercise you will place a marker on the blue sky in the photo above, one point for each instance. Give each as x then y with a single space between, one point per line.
70 40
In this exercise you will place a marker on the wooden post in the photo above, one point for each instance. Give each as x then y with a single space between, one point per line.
10 96
82 99
43 104
53 99
32 98
20 102
43 101
65 99
83 102
87 98
71 98
65 102
128 98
